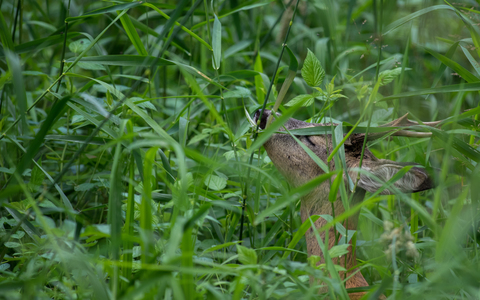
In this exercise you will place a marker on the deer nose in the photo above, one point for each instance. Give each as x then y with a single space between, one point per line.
257 115
263 115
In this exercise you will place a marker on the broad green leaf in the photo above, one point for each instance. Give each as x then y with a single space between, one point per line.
313 260
246 255
79 45
18 235
36 180
312 71
388 76
215 182
305 100
239 92
13 245
339 250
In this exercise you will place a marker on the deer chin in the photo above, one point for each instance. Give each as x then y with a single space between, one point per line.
299 168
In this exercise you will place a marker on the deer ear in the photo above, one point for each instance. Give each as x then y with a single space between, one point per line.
415 180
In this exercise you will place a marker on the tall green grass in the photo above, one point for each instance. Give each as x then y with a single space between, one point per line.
129 168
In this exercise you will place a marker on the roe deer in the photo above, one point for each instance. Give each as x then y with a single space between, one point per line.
298 168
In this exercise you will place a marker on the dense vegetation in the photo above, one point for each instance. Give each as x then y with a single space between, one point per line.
126 150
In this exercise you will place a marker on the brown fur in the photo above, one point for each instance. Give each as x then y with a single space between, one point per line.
298 168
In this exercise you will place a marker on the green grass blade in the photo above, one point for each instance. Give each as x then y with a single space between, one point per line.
293 195
126 60
191 33
146 223
115 215
102 11
300 234
217 43
19 86
133 35
56 112
392 26
464 73
466 87
5 35
472 61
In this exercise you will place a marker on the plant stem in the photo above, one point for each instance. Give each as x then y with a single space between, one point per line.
261 114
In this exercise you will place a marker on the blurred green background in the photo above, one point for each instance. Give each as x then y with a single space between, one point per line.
126 152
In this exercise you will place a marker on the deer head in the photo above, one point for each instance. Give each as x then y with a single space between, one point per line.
298 168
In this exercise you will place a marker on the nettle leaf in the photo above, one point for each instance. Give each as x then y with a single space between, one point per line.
205 133
362 92
313 260
215 182
389 75
79 46
239 92
229 155
4 267
337 96
338 250
18 235
312 71
13 245
246 256
148 105
37 175
8 171
307 99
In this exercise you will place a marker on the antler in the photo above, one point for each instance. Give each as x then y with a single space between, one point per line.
403 121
